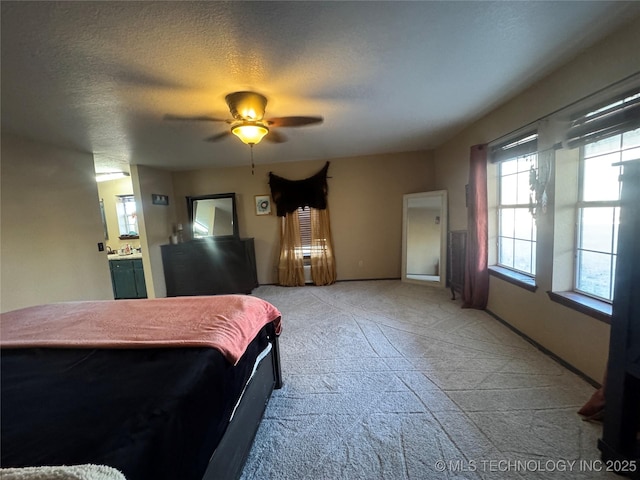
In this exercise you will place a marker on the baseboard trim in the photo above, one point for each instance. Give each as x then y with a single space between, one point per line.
366 279
345 280
546 351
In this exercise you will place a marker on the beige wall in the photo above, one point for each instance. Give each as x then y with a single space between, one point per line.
156 222
365 201
51 226
578 339
51 221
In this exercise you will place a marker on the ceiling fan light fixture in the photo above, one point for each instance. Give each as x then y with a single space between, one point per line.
250 133
248 122
249 106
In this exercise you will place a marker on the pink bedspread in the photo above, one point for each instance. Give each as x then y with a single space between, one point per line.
225 322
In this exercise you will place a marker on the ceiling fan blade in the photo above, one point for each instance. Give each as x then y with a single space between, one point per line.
275 137
201 118
294 121
217 137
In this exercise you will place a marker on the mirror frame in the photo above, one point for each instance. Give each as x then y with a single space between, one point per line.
442 194
214 196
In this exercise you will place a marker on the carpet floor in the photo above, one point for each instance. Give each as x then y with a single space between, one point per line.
389 380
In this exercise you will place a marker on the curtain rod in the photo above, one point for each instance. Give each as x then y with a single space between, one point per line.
531 124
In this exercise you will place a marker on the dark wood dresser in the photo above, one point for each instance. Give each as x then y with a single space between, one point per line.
457 252
210 266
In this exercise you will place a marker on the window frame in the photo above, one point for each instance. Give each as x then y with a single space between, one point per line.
517 148
581 205
304 221
615 111
122 216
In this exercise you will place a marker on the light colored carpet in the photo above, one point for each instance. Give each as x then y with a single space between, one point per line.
388 380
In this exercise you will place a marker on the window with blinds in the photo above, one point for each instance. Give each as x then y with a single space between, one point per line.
606 135
304 215
517 159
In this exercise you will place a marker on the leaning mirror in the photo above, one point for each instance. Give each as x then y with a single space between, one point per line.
213 215
424 234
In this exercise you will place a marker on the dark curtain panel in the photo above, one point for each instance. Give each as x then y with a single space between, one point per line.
476 281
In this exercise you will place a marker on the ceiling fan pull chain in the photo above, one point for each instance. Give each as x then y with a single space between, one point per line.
252 165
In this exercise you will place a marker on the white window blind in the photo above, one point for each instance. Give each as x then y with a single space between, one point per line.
610 118
522 146
304 215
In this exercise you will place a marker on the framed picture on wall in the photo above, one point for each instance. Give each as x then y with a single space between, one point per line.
263 204
158 199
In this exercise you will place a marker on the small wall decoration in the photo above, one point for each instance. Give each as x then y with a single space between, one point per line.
158 199
263 204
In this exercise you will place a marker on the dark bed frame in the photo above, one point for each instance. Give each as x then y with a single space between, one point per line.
225 461
231 453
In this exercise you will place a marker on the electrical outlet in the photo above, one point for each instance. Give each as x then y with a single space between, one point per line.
100 246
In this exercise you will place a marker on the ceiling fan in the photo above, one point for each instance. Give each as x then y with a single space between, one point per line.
248 122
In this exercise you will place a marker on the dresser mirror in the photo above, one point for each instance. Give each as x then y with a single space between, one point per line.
213 215
424 238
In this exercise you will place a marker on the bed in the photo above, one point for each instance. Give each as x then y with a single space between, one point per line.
171 388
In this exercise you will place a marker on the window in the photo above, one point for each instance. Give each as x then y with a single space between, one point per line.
516 224
598 212
600 131
304 216
308 245
127 217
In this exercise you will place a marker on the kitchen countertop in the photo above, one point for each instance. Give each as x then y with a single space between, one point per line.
117 256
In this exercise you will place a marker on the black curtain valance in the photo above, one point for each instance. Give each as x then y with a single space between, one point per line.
289 195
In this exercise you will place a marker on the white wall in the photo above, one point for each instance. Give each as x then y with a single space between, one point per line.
50 227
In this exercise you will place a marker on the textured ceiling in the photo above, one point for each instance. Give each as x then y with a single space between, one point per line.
386 76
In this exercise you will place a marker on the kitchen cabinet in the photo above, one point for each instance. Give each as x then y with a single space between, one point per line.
127 278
